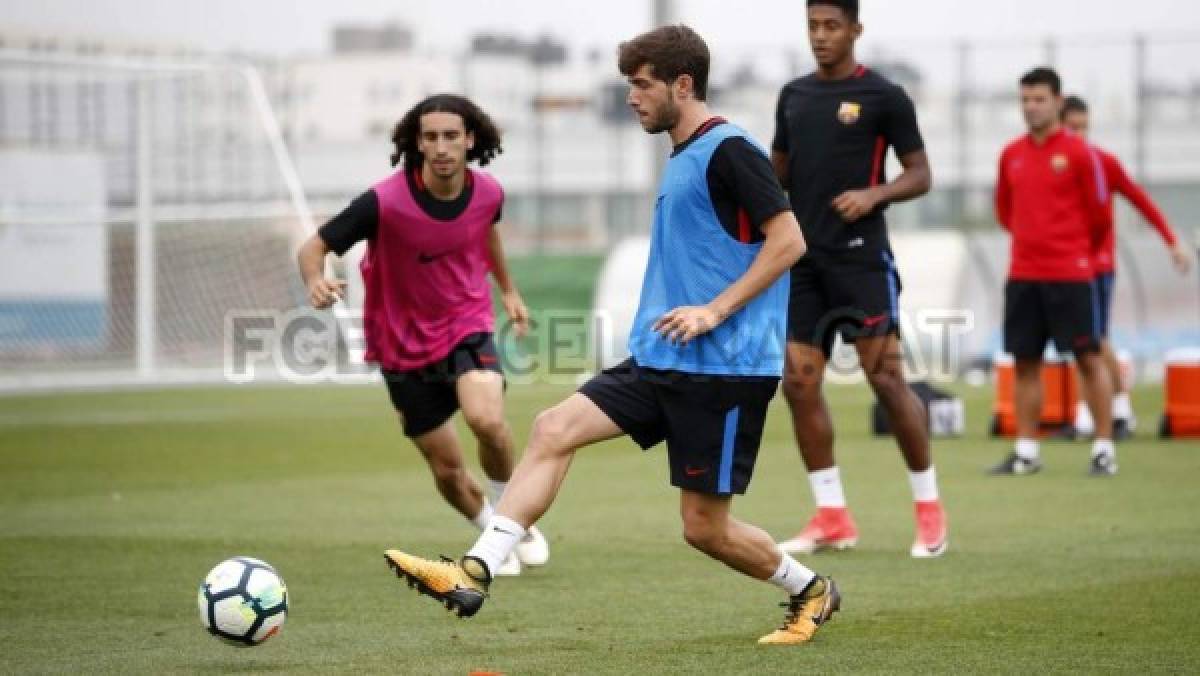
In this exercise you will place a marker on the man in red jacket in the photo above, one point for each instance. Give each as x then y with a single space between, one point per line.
1076 118
1050 197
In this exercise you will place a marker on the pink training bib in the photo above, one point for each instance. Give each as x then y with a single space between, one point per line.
426 279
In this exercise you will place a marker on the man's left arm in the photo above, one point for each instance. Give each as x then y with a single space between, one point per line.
514 305
1121 183
902 133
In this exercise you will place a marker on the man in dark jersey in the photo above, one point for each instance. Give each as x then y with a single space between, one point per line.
707 348
833 130
427 317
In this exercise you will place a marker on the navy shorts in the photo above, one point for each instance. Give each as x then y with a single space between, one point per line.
1103 288
712 424
1039 312
428 396
858 298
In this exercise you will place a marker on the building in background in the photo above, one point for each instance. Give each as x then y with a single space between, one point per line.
194 211
576 166
575 177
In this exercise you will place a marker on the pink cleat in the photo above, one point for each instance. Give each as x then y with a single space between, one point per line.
932 532
831 528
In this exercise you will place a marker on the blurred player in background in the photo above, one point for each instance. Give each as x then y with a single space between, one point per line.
707 352
832 132
1051 197
427 317
1075 117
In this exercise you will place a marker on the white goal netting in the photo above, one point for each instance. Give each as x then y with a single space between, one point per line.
142 201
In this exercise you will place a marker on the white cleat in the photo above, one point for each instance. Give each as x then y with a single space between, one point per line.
510 568
533 549
922 551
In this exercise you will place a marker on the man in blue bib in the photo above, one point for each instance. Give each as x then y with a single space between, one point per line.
707 343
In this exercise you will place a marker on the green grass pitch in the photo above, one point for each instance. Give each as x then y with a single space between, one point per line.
114 506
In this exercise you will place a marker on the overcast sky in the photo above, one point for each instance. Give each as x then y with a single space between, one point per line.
1097 55
289 26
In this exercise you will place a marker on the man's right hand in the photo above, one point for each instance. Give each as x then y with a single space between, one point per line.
1181 258
323 293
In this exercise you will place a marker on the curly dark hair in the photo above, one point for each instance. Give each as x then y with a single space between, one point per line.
477 122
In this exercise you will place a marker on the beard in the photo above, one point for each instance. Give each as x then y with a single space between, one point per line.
665 119
1039 123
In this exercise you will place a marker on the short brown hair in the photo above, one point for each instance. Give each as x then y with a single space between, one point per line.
670 51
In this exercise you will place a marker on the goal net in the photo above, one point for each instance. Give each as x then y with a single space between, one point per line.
142 202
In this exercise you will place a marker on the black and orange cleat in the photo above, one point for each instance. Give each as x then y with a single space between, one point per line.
806 613
461 586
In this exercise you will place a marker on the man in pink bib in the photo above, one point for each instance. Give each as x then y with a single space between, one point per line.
427 317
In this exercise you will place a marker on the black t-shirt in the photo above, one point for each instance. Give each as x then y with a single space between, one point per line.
741 184
836 135
360 220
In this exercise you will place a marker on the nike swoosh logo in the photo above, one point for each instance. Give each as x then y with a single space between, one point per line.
936 547
427 258
501 530
872 321
690 471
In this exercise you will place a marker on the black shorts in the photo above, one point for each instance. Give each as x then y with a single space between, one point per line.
1037 312
712 424
427 396
857 298
1104 284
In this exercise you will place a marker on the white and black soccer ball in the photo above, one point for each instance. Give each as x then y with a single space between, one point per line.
243 601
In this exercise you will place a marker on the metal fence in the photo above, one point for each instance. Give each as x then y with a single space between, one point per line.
578 171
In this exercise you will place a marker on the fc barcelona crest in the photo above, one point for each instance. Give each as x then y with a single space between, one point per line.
849 112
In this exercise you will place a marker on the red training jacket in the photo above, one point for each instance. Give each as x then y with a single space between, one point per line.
1050 197
1118 182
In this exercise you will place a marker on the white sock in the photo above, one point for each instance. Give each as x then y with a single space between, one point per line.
498 540
1083 419
1028 449
1104 447
827 487
496 489
1122 407
924 485
792 576
485 514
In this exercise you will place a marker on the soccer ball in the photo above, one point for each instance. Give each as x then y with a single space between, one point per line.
243 601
